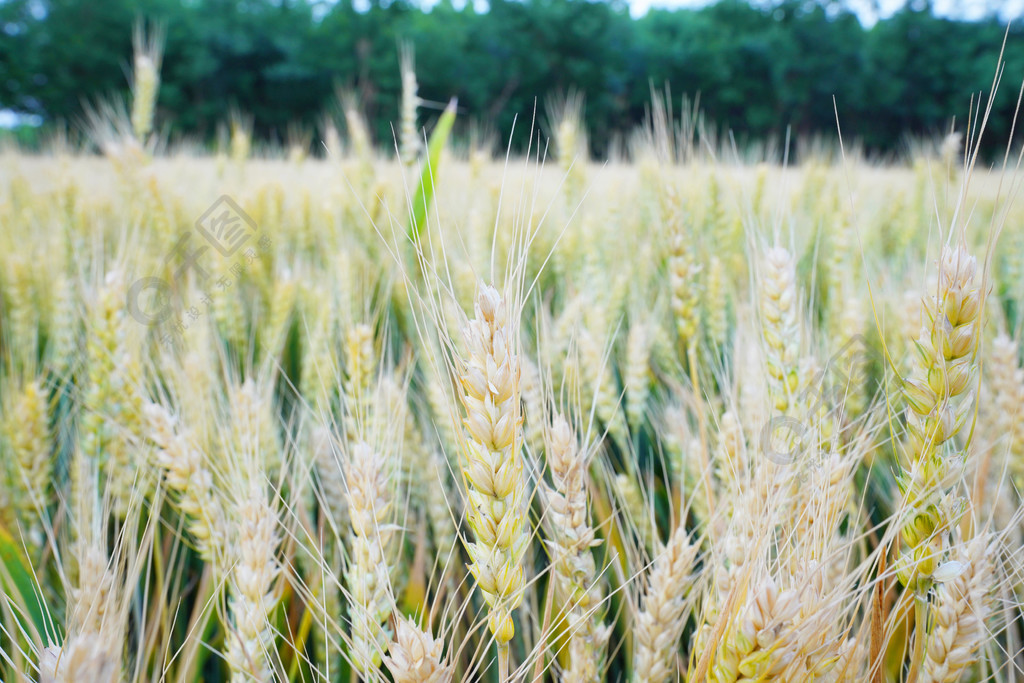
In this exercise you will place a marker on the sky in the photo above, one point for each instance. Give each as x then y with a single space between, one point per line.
870 10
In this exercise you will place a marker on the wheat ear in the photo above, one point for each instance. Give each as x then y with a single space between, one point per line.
494 467
760 644
368 573
660 624
360 366
571 540
409 143
683 271
416 657
251 637
960 608
96 623
146 81
27 429
637 373
1005 414
112 403
780 327
186 474
944 368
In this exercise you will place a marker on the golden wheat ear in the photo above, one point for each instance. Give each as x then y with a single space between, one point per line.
414 656
571 540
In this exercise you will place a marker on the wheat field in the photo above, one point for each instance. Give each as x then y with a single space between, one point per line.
689 417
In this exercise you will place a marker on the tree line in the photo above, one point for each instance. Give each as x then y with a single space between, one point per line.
760 70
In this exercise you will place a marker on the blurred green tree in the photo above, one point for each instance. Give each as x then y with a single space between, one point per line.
759 68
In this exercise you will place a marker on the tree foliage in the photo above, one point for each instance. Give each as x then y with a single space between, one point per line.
759 69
